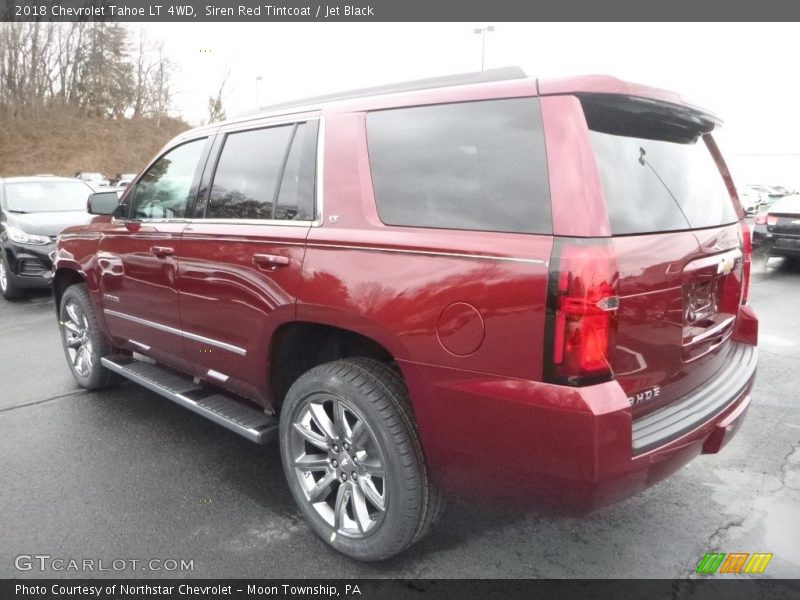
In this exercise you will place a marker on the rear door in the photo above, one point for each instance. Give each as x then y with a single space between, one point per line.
678 242
241 256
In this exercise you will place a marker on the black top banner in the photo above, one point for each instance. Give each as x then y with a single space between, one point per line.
276 11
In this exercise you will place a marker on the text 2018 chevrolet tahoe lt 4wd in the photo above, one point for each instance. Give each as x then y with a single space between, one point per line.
531 288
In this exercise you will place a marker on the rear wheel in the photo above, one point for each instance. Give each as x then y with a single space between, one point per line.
353 460
83 341
8 288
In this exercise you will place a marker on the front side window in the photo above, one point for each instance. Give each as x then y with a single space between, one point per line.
265 174
471 165
165 190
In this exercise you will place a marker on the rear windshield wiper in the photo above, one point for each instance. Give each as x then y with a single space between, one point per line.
644 162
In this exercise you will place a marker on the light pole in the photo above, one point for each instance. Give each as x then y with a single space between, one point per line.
483 31
258 81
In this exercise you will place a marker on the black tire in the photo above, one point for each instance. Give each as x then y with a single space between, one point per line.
8 288
76 311
375 406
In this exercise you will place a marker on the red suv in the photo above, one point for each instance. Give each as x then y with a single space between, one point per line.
485 282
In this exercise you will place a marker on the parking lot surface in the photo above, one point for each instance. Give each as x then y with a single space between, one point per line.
124 474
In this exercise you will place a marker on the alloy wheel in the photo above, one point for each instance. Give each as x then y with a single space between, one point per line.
339 465
77 338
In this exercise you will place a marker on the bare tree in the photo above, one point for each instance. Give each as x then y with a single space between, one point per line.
161 92
216 112
142 71
97 68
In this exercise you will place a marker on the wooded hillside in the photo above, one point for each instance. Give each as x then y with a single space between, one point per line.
61 142
82 97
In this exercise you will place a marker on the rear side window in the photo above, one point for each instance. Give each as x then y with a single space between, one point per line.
472 165
654 185
265 174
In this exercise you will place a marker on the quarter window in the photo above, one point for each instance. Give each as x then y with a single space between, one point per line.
472 165
165 190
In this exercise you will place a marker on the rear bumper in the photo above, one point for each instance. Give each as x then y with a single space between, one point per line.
776 244
565 448
784 246
658 428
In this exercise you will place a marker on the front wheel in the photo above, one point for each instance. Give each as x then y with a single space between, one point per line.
353 460
7 286
83 341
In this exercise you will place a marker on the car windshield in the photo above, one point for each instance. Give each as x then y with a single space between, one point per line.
47 196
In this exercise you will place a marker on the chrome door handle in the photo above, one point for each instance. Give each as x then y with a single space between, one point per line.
270 261
162 251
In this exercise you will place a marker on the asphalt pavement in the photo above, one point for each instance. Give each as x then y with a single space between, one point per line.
128 476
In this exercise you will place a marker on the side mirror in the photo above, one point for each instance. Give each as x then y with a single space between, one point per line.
103 203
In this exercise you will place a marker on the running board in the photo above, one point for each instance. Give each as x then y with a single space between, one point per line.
224 410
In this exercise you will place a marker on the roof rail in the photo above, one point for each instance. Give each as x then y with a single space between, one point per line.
489 75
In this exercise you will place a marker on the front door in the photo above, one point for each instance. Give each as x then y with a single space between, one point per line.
138 256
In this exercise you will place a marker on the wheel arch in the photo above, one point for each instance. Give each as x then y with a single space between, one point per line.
298 346
62 279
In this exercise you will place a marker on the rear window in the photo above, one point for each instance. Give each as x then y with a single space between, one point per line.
472 165
654 185
787 204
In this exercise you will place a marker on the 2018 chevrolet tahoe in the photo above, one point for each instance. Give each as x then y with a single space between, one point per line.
532 288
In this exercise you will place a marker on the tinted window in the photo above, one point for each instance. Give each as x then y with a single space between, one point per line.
165 190
473 165
296 197
47 196
261 175
654 185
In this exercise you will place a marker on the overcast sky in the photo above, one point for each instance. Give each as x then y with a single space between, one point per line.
746 73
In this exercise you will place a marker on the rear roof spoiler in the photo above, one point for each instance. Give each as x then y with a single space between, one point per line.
647 118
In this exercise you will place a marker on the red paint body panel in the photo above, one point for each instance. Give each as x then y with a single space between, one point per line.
422 272
563 449
576 193
463 313
224 295
651 321
135 281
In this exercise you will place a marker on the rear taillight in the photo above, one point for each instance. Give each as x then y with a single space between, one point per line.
747 250
761 219
582 308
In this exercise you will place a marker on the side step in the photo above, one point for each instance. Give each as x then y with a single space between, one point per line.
224 410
